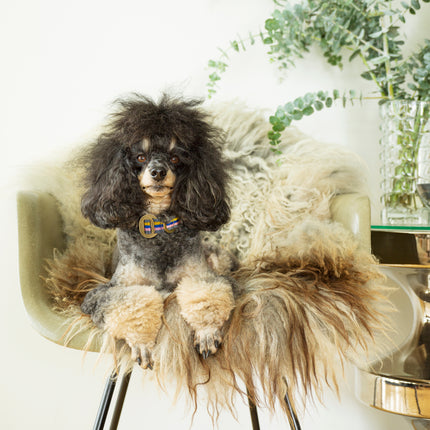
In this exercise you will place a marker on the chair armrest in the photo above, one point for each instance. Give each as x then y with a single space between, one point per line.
40 232
353 212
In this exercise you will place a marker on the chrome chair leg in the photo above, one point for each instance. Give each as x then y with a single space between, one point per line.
105 401
120 401
254 414
292 418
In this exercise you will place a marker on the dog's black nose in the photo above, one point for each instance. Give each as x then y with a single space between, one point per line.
158 174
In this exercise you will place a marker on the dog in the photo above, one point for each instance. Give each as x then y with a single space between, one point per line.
157 175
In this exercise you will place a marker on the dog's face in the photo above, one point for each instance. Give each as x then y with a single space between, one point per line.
157 162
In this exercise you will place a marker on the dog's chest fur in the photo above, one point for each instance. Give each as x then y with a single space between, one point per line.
156 261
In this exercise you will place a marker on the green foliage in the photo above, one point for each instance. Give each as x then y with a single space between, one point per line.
344 31
303 106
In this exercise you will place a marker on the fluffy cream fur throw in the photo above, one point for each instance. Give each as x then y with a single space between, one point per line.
309 295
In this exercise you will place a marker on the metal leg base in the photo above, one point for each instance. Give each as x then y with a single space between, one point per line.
254 414
120 401
292 418
106 400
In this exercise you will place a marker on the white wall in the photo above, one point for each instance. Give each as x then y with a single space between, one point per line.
62 63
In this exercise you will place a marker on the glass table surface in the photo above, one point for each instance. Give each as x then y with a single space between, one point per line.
402 228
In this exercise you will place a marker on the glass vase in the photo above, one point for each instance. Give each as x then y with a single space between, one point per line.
405 157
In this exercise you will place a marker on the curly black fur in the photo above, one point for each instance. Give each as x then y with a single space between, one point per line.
114 197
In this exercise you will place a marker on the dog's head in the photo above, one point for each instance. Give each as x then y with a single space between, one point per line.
153 158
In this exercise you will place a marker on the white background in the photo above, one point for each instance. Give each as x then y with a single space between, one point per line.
62 64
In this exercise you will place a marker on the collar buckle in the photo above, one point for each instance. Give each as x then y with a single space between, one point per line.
149 226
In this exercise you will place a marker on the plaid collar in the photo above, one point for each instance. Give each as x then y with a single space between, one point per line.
150 226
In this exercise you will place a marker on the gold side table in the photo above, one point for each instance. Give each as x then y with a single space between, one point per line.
399 383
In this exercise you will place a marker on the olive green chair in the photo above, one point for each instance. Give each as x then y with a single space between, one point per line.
40 231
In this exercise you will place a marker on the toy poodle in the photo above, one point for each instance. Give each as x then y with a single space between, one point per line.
157 175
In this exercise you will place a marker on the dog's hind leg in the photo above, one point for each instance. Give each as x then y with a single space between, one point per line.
206 303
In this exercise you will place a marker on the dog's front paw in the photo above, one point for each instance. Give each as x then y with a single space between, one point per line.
141 354
207 341
136 317
95 302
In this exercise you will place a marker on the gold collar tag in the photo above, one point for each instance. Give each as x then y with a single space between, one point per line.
144 232
150 226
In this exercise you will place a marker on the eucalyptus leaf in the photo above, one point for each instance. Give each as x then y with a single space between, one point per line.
235 45
367 76
309 98
376 34
308 110
354 54
273 120
370 31
214 77
289 107
322 95
278 127
297 115
318 105
299 103
286 121
280 114
379 60
273 135
271 24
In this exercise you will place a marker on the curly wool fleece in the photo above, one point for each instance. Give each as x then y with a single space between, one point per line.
310 295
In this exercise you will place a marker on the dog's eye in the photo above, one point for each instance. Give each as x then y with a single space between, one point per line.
174 159
141 158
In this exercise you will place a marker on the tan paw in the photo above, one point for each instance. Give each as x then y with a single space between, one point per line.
207 341
141 354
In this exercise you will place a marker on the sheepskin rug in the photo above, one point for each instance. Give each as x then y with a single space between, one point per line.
310 296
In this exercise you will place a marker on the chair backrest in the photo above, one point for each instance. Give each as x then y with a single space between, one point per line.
353 212
40 232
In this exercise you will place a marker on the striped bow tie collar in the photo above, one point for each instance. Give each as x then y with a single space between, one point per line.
150 226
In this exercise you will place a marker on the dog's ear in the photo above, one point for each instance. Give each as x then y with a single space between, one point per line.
200 199
113 197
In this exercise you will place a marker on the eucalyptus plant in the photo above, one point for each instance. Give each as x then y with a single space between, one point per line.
368 31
